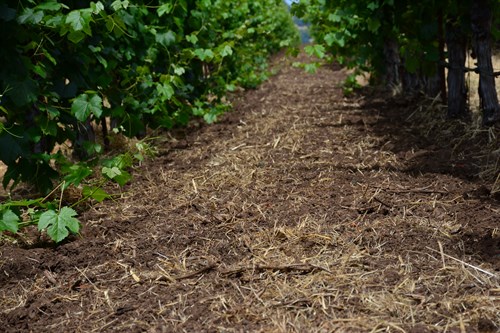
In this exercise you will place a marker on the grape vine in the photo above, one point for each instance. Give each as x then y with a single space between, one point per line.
402 43
71 67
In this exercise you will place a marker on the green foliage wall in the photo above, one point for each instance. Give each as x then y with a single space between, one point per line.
141 63
355 31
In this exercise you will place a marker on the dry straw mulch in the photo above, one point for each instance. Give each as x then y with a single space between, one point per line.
301 211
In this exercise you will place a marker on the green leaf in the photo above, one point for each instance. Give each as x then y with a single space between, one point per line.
40 70
123 178
179 70
76 173
79 20
210 117
111 172
30 16
311 68
373 25
76 36
59 225
119 4
329 39
119 176
121 161
11 148
49 56
97 7
226 51
96 193
165 38
165 90
339 39
372 6
24 92
83 106
317 50
50 5
9 221
204 54
92 148
333 17
49 128
164 9
192 39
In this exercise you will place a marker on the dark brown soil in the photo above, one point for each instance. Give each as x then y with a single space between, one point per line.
300 211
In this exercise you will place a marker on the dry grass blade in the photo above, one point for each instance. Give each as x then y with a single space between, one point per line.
462 262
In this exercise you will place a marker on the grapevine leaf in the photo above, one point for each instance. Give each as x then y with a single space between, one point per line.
49 56
121 161
9 221
166 38
333 17
76 36
79 20
111 172
165 90
226 51
316 50
77 173
30 16
49 128
96 7
83 106
119 176
119 4
96 105
339 39
11 148
164 9
50 5
204 54
373 25
24 92
96 193
57 225
179 70
192 39
311 68
329 39
40 70
210 117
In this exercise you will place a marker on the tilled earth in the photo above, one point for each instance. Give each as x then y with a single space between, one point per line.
300 211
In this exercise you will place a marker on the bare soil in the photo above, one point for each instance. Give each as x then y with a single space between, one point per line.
300 211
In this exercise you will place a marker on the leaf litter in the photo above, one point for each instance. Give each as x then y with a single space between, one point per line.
300 211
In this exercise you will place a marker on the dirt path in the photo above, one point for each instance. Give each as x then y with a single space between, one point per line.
301 211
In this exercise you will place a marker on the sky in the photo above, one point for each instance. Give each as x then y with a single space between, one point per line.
290 1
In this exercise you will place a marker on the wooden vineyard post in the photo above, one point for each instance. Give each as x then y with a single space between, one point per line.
481 20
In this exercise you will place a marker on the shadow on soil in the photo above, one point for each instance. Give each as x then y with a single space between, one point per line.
444 151
448 151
